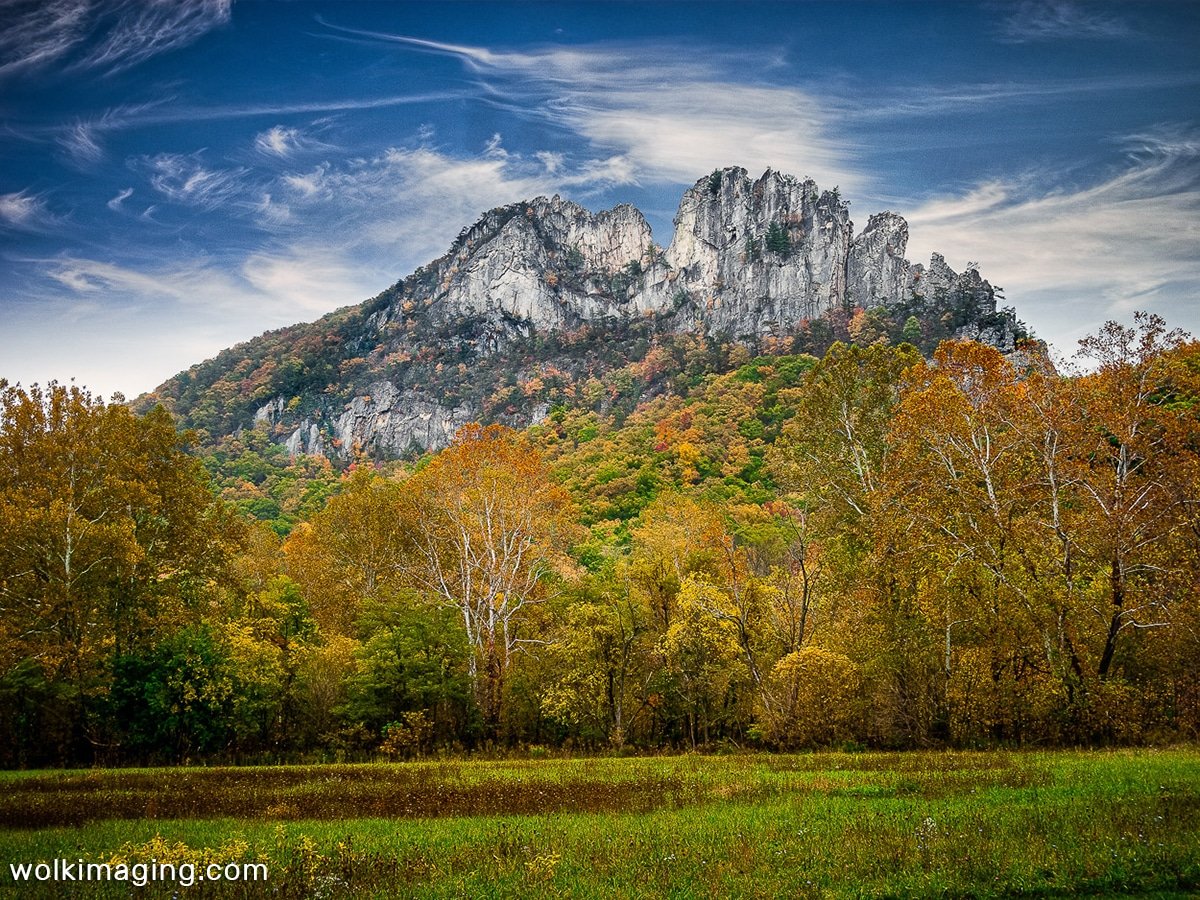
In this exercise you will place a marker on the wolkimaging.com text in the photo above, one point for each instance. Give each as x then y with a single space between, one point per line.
137 874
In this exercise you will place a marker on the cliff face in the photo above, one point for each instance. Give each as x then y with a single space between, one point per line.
518 263
748 259
876 270
754 256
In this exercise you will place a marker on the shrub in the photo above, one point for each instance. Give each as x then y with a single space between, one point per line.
811 699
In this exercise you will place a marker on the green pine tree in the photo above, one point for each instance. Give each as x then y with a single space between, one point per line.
912 331
777 240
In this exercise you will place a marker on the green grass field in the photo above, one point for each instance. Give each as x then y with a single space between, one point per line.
994 824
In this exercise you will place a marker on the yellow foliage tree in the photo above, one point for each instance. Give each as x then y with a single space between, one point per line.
812 699
490 531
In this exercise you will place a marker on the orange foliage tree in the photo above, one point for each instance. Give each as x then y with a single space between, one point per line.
491 530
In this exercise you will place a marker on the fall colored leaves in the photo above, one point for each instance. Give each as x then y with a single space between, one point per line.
871 548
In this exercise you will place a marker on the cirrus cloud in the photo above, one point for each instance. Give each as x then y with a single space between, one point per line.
23 211
671 113
283 142
109 35
184 178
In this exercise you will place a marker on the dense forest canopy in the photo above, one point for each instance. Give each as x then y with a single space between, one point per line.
865 549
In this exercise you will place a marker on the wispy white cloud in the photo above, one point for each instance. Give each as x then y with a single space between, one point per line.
166 111
81 143
115 203
37 34
75 278
494 147
146 29
284 142
1054 20
23 211
277 141
83 140
938 100
187 285
307 185
307 279
257 110
109 35
552 161
1163 141
272 213
184 178
1072 257
265 289
669 112
979 199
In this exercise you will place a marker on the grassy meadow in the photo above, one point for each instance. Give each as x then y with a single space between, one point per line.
996 824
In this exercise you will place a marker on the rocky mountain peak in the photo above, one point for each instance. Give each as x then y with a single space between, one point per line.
751 256
542 264
749 259
876 270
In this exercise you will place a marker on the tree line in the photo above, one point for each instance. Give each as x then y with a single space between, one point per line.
867 550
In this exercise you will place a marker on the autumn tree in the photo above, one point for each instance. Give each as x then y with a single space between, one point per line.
702 660
1126 438
676 536
109 539
600 660
490 534
830 461
353 551
814 700
1049 524
965 483
832 452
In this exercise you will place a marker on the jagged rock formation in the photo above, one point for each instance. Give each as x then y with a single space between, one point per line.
505 266
753 256
394 421
876 270
748 259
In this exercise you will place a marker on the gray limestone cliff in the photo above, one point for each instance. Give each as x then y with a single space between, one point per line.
749 258
396 422
545 264
876 270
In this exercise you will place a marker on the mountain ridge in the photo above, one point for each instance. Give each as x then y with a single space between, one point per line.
544 293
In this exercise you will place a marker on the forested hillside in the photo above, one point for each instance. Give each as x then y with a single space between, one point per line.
542 303
696 548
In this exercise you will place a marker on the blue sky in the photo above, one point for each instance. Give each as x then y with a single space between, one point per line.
180 176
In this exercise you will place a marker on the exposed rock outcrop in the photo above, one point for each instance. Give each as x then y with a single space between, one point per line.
306 439
269 412
546 264
876 270
748 258
394 422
